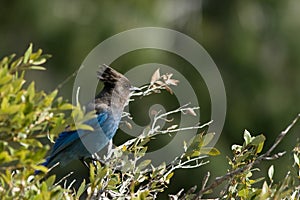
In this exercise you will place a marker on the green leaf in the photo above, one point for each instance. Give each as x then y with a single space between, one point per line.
256 180
169 176
53 94
16 63
84 127
271 172
47 56
50 181
207 138
265 191
11 109
66 106
37 67
260 147
5 157
142 195
5 80
243 193
40 168
258 140
92 172
36 55
31 91
214 152
192 154
81 189
144 164
247 137
7 60
296 159
27 54
17 84
102 173
194 143
208 151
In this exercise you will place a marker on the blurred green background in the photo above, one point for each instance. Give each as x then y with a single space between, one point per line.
255 45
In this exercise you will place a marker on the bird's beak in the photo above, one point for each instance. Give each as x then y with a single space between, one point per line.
135 89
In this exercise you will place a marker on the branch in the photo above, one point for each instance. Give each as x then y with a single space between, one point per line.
187 164
281 136
183 129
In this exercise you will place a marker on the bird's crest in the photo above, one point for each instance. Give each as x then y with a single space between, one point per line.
108 74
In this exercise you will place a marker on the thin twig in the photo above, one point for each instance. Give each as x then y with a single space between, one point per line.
205 180
63 178
282 135
67 79
183 129
186 164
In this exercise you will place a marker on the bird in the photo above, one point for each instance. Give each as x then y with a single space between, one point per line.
79 145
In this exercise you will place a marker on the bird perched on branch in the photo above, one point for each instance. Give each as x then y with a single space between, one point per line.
108 104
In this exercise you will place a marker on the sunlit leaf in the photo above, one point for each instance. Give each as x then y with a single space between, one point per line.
66 106
27 54
39 61
155 76
258 140
36 54
247 137
144 164
264 191
243 193
81 189
40 168
271 172
37 67
84 127
296 159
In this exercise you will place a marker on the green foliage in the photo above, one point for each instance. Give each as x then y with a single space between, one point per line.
127 174
242 186
28 116
239 183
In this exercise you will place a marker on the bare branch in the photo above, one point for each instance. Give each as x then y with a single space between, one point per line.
185 128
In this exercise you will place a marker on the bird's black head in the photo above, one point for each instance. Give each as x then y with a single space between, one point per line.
115 84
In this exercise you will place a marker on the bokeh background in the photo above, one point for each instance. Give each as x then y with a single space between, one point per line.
255 45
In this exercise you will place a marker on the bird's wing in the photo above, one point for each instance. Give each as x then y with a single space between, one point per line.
67 138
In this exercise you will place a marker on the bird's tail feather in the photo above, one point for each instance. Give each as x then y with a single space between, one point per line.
108 74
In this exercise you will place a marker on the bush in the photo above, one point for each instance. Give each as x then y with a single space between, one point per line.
28 117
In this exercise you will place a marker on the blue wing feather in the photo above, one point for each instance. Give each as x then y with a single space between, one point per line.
66 138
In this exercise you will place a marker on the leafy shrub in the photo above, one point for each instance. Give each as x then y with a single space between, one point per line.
28 117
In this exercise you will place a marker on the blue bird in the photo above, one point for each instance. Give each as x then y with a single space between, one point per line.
109 104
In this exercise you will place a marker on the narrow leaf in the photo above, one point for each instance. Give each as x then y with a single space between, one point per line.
271 172
27 54
80 189
37 67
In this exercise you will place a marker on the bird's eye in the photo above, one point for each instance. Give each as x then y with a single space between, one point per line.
127 85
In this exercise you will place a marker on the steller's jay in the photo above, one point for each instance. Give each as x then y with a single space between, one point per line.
109 104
